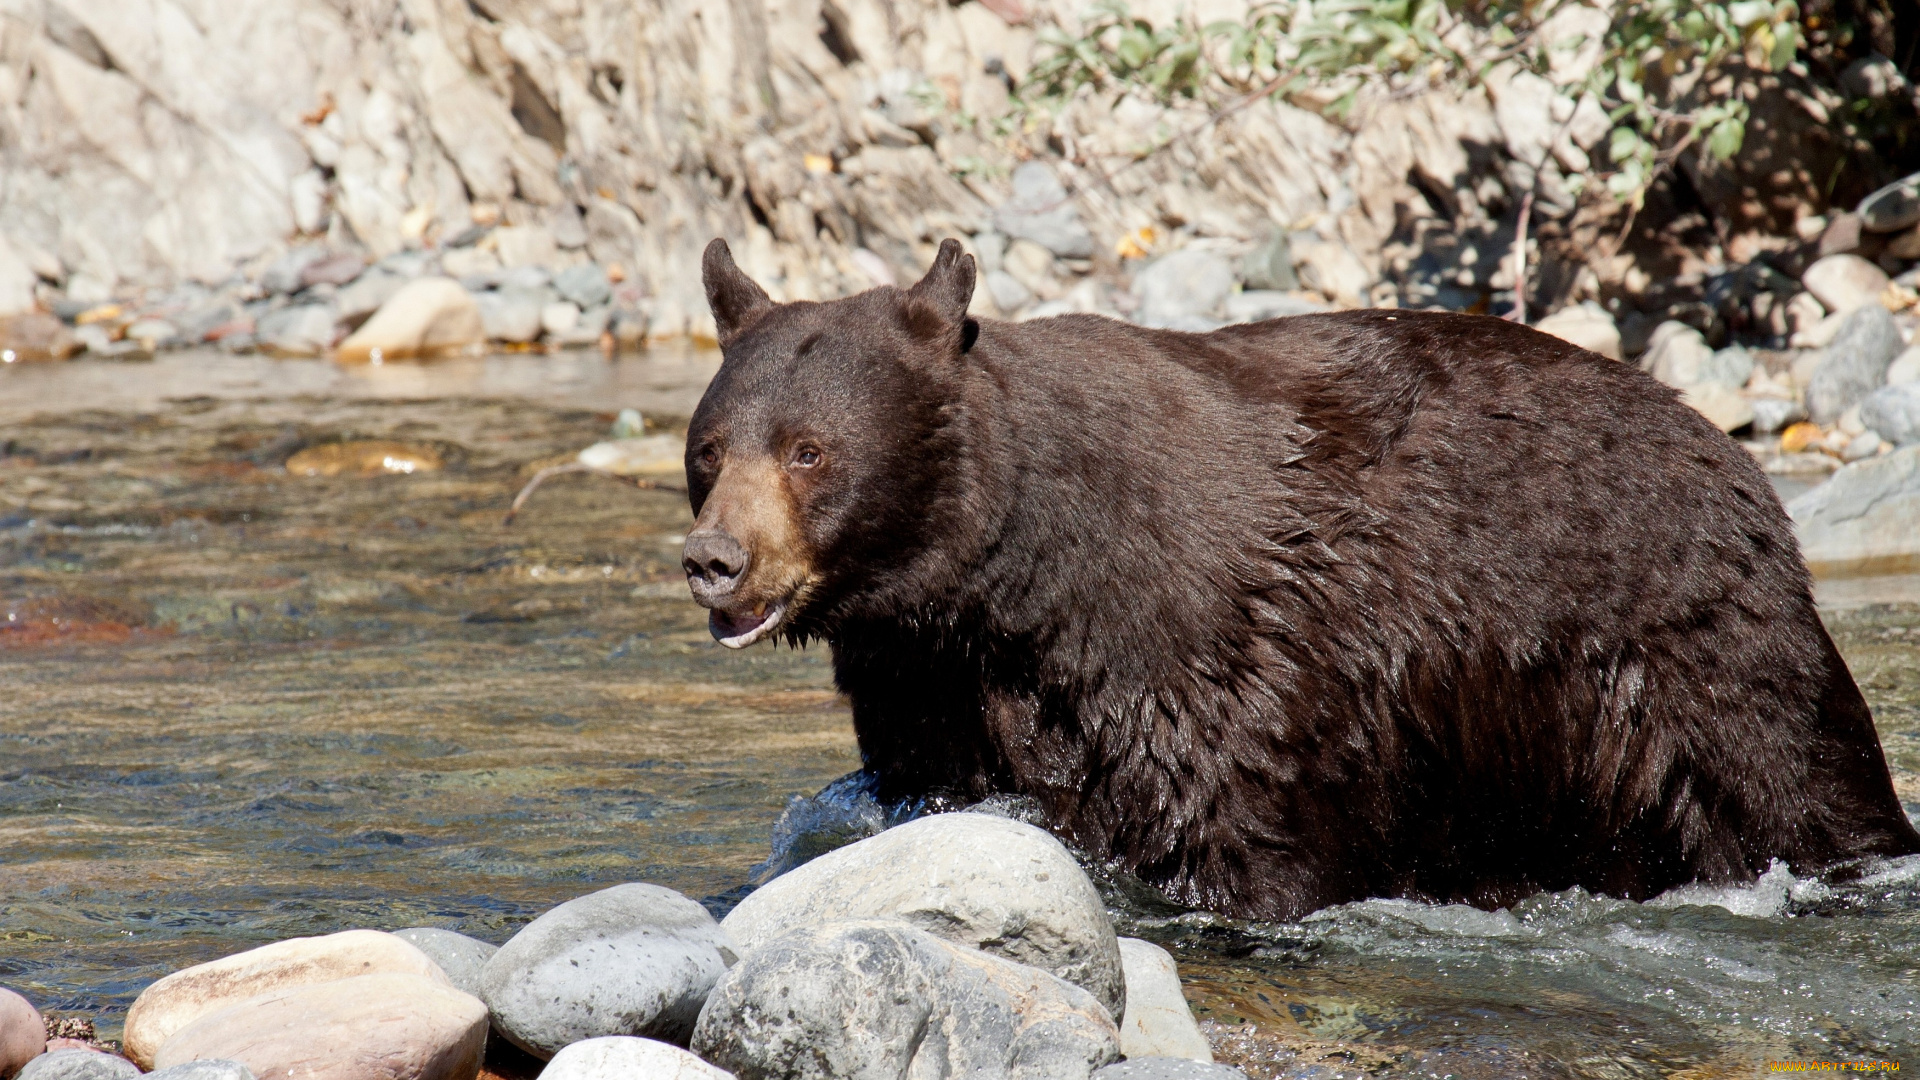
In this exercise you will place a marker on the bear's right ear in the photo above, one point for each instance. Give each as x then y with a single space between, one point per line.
735 299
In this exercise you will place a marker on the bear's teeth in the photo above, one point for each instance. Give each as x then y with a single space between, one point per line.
759 611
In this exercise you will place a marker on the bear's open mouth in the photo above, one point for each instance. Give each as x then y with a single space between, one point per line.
737 630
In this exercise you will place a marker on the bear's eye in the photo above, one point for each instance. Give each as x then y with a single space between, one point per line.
709 457
807 457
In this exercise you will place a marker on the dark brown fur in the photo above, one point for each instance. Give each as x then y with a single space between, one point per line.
1337 606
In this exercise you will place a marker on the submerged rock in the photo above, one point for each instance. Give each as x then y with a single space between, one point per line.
183 997
1158 1022
427 317
460 957
23 1033
983 881
372 1027
630 960
1865 519
35 336
874 999
1854 365
620 1057
79 1065
366 457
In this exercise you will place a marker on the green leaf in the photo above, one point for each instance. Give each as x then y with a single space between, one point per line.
1725 139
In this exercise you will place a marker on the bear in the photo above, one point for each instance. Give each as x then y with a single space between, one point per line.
1371 603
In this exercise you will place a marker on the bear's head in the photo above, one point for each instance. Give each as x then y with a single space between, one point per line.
817 455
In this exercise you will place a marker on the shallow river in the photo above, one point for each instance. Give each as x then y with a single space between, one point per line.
238 705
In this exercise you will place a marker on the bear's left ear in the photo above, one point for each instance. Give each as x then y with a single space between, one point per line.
734 297
937 303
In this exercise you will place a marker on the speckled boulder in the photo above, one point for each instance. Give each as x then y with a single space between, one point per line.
79 1065
979 880
630 960
878 999
458 955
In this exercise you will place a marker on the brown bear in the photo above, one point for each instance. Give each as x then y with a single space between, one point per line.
1366 604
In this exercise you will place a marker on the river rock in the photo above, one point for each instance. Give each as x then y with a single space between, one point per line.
300 330
178 1000
1007 292
283 275
1722 405
1179 286
366 293
1844 283
1259 305
1168 1068
364 458
1041 212
1892 208
35 336
429 316
372 1027
585 284
1772 414
1677 355
1905 367
1158 1022
511 314
559 318
979 880
1269 267
1855 364
205 1069
79 1065
23 1033
873 999
621 1057
460 957
1894 412
333 270
1587 325
630 960
1866 518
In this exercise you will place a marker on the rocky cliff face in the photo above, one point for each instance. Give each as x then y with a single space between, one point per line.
151 143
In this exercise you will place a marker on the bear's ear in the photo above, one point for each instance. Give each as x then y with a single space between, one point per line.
937 303
735 299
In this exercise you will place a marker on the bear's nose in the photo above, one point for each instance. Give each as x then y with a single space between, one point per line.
714 562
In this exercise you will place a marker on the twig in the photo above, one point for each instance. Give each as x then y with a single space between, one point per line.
1519 312
543 475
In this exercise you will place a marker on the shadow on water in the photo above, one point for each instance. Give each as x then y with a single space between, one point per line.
243 705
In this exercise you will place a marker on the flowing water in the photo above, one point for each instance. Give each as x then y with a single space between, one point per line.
239 704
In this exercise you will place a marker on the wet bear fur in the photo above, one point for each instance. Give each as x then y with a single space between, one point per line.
1362 604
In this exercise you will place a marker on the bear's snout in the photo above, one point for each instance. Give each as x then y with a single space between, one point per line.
715 562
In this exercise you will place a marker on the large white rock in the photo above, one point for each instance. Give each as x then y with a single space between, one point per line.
1158 1022
1844 283
179 999
629 960
621 1057
1865 519
980 880
1722 405
1587 325
428 317
373 1027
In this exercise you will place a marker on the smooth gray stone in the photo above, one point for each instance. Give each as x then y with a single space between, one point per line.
306 329
1855 365
1894 412
462 958
630 960
1892 208
1168 1068
209 1069
1041 212
878 1000
1868 515
585 284
1772 414
1269 267
512 314
78 1065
